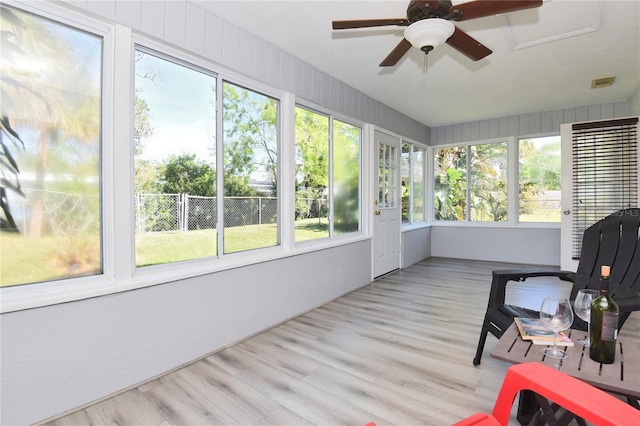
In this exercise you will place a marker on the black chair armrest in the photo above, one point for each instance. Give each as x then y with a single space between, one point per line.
503 276
629 304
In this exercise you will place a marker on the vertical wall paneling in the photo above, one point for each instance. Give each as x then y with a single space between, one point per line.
582 114
307 82
513 125
195 29
214 34
129 13
246 58
152 18
230 45
175 22
260 52
485 130
607 112
594 112
102 8
569 115
523 122
557 119
534 122
317 85
273 65
345 98
529 124
546 122
296 76
286 61
330 93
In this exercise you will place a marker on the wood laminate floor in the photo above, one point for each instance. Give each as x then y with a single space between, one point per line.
398 351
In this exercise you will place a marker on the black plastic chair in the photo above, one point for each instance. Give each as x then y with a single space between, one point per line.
611 241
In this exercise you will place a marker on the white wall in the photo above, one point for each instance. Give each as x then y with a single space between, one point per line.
416 245
59 357
516 245
634 102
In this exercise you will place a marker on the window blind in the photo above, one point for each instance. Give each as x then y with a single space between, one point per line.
605 172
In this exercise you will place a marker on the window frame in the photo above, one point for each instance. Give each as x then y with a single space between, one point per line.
427 204
333 237
24 296
512 184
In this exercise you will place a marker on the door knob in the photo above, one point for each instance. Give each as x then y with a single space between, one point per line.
377 213
566 212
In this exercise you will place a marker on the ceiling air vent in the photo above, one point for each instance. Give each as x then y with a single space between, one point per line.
602 82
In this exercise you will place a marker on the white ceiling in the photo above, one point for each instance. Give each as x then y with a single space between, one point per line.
543 59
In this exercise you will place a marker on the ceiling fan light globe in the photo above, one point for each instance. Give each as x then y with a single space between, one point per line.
429 32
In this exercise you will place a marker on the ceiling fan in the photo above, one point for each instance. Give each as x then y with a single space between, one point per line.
429 24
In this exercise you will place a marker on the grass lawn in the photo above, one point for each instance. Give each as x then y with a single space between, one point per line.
23 260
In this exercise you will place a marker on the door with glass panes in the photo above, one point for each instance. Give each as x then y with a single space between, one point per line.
387 220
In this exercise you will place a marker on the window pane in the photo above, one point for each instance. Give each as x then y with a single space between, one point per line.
418 189
450 183
488 185
387 169
312 175
250 169
346 177
539 171
405 176
174 136
51 97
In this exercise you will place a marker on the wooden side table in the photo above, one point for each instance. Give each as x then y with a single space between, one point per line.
622 377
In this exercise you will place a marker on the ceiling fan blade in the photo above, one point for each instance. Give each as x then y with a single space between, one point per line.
397 53
482 8
364 23
468 45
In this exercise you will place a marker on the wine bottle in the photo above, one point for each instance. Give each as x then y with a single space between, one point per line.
604 322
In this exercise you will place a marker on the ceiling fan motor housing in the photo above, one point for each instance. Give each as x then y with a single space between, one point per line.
417 11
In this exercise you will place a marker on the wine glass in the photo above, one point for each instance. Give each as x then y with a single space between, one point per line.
582 309
556 315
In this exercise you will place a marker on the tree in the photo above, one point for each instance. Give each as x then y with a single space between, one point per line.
186 174
450 199
60 102
312 163
9 171
250 135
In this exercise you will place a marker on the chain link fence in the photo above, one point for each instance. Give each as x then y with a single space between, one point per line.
67 213
61 213
183 212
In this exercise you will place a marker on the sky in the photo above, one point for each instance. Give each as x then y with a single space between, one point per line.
181 102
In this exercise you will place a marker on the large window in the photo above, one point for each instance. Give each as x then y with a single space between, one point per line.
327 176
539 179
50 159
178 214
471 183
175 161
413 183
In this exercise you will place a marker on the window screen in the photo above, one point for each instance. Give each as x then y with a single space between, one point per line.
605 172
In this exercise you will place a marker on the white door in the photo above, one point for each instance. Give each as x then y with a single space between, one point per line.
387 220
567 262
